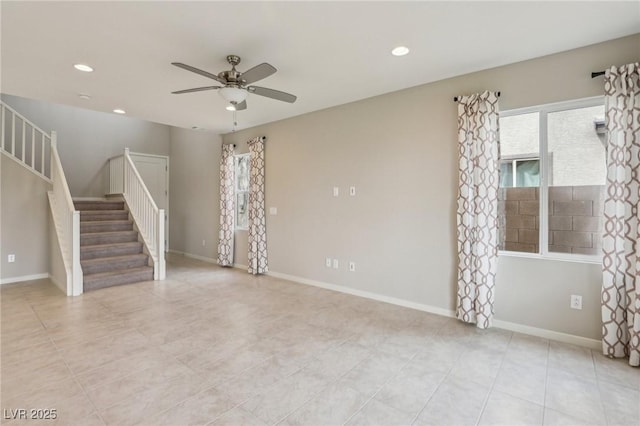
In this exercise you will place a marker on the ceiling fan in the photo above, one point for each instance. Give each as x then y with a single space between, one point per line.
234 87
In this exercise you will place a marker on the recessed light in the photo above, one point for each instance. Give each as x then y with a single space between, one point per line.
400 51
119 111
84 97
83 67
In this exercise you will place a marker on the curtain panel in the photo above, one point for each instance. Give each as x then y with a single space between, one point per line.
477 214
620 243
227 206
257 257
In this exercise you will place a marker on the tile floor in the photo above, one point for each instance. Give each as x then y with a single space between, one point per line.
217 346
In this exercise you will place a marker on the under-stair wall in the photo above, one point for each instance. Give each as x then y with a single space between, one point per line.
24 214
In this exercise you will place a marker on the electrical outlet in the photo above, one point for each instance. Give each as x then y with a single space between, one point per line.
576 301
327 262
11 258
336 264
352 266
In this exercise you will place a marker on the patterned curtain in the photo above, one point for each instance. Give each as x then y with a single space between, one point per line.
227 206
477 216
257 222
620 244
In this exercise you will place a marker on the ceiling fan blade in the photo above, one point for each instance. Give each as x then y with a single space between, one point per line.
196 89
258 72
242 105
273 94
199 71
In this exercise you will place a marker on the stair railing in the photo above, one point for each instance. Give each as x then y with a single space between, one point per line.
149 219
67 222
24 142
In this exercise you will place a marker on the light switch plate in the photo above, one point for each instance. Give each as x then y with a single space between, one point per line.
336 191
11 258
336 264
352 191
327 262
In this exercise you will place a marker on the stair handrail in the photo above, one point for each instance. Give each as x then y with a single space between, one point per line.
10 151
148 217
67 222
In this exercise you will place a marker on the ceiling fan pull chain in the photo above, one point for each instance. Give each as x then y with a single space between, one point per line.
235 122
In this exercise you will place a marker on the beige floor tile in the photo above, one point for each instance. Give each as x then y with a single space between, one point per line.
574 395
334 405
621 404
521 381
411 389
238 417
200 409
284 397
286 352
505 410
556 418
375 413
372 373
106 395
456 402
140 407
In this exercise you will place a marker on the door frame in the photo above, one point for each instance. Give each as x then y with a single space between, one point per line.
166 211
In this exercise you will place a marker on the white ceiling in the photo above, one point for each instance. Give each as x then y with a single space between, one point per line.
326 53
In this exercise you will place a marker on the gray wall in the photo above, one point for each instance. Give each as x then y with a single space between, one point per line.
194 181
24 211
399 150
87 139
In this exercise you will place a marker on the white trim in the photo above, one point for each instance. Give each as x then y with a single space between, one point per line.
23 278
548 334
366 294
194 256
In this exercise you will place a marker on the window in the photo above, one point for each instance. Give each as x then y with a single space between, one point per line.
527 172
552 177
242 190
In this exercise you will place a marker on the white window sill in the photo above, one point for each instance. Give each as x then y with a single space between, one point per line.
562 257
242 229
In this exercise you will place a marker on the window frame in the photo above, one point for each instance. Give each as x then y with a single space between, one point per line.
236 191
543 214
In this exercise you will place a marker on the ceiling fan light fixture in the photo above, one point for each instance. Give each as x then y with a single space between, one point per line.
400 51
233 94
231 107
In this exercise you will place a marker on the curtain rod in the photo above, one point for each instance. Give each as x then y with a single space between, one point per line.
456 98
597 74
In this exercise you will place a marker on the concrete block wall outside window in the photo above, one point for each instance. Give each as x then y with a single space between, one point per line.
575 221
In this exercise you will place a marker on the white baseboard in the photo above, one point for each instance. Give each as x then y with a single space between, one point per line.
549 334
195 256
505 325
366 294
23 278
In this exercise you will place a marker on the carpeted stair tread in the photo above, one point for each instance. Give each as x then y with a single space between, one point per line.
106 226
95 238
86 205
119 277
100 215
109 250
114 263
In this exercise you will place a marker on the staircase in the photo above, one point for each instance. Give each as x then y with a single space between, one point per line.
110 251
